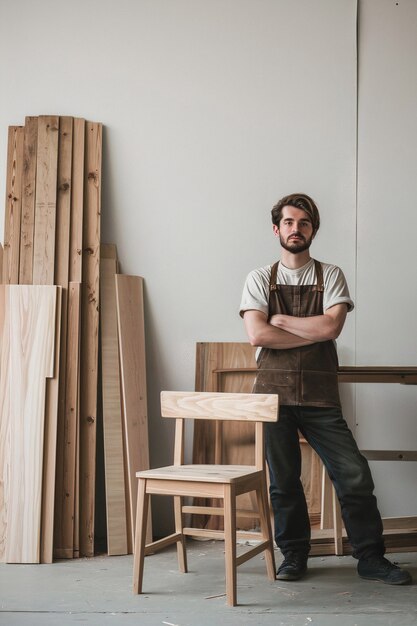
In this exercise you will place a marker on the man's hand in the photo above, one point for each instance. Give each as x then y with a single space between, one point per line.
315 328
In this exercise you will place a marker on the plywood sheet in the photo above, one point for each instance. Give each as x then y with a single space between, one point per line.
29 326
131 333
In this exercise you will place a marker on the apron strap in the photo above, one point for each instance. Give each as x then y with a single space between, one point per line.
319 275
273 279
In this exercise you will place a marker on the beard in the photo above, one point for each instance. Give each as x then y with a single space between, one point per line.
296 246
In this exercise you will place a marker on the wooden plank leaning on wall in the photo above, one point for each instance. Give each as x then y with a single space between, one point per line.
45 201
72 420
89 335
32 308
131 333
63 221
112 409
13 205
27 227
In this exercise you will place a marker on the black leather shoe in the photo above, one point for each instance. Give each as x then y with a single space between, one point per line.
379 568
293 567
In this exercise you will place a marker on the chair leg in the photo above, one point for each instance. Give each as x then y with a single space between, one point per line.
230 543
181 547
266 530
140 535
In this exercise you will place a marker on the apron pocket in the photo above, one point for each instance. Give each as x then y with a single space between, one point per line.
282 382
319 388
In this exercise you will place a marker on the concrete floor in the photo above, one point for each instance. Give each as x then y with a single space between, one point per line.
98 592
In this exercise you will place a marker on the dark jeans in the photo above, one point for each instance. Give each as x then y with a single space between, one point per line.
328 434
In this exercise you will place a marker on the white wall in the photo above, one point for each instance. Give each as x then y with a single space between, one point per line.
386 295
212 111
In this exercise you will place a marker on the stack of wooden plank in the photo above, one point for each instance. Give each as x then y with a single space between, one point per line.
52 238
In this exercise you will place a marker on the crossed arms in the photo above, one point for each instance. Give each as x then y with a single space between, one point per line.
282 332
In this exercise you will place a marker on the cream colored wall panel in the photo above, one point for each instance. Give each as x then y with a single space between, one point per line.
387 223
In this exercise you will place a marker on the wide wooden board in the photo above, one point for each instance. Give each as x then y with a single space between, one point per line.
30 313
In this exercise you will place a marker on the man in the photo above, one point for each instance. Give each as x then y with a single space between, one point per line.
294 310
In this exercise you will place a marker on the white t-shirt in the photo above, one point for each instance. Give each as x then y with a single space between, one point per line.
256 290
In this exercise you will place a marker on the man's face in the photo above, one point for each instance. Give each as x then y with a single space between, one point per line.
295 230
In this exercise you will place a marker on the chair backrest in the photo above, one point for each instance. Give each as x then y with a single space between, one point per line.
244 407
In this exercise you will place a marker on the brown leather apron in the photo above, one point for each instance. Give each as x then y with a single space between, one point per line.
305 376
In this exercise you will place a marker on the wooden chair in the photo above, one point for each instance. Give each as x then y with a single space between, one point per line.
224 482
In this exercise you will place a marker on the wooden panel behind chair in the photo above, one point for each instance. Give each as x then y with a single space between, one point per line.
223 482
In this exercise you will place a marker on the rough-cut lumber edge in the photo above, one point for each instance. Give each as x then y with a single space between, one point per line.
27 226
13 205
32 315
131 333
112 412
63 222
45 201
89 334
50 441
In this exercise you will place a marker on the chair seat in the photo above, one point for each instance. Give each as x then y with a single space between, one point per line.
202 473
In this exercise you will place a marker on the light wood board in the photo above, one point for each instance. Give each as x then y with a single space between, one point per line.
112 412
4 420
45 201
63 222
77 202
13 205
65 505
50 444
28 200
89 334
131 333
30 313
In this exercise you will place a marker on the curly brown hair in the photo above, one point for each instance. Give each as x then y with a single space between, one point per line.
299 201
